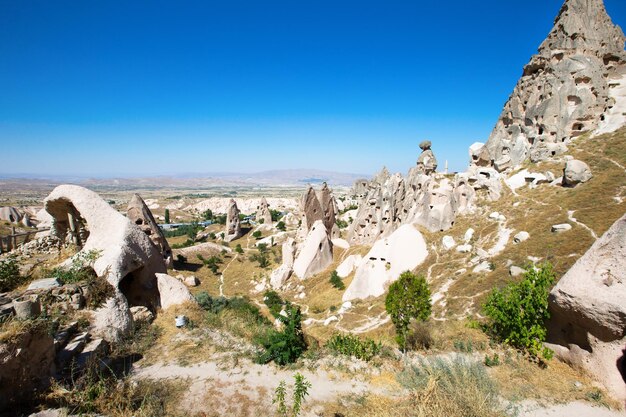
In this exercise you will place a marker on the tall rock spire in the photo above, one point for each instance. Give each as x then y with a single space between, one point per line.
564 90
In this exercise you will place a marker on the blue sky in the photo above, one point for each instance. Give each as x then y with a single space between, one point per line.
119 88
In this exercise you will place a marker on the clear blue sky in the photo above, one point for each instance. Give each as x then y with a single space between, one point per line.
152 87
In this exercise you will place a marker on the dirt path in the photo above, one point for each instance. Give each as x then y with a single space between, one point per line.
247 386
570 217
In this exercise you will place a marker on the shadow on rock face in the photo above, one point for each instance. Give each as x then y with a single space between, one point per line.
621 364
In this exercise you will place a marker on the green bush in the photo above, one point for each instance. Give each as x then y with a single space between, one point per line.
353 346
240 305
281 226
239 249
276 214
207 214
284 346
518 313
257 235
80 270
191 230
342 224
336 281
10 276
273 301
408 298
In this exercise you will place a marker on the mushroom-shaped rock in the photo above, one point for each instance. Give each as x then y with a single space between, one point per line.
403 250
316 252
589 312
575 172
139 213
426 162
127 258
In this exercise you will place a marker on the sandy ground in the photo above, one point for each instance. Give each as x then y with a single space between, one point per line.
575 409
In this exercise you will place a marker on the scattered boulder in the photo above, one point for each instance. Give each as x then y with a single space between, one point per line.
521 237
233 223
44 284
141 313
559 228
191 281
448 242
575 172
516 271
588 323
316 252
173 292
139 213
464 248
469 234
403 251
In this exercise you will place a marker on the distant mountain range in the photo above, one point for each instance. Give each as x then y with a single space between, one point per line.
288 178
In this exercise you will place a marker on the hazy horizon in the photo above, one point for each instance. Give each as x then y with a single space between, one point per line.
155 89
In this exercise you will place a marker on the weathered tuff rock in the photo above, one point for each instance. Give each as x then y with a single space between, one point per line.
575 172
233 224
588 324
426 162
404 250
280 275
139 213
316 252
263 212
319 205
10 214
173 291
127 257
27 364
427 200
564 91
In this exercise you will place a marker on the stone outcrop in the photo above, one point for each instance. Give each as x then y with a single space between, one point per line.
564 90
316 252
588 324
173 292
280 275
139 213
426 162
319 205
233 223
11 214
575 172
404 250
263 212
127 258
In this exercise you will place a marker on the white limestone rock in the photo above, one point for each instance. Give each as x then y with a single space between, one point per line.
588 309
448 242
575 172
316 252
560 228
173 292
404 250
348 265
521 237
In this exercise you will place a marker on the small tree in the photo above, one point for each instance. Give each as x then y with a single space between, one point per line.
167 216
238 248
336 281
518 312
207 214
287 345
281 226
408 298
257 235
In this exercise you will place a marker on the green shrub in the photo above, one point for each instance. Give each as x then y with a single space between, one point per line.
10 276
300 391
284 346
276 214
240 305
257 234
281 226
342 224
220 219
80 270
185 244
408 298
207 214
191 230
351 345
518 313
336 281
273 301
239 249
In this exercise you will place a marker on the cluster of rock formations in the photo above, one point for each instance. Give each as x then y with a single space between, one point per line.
423 197
315 252
126 256
567 89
